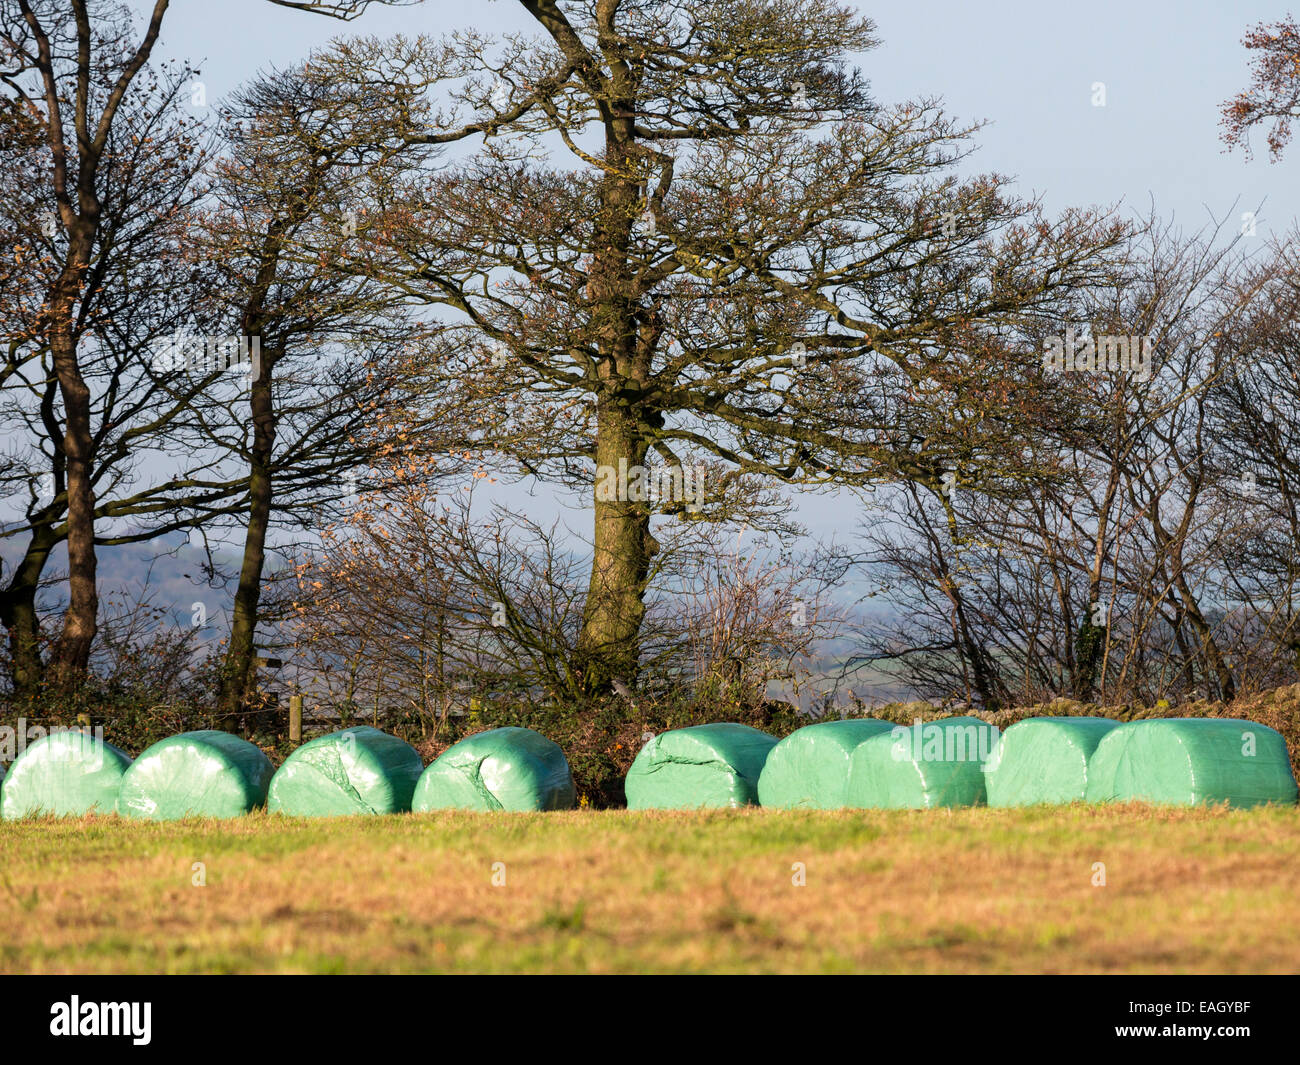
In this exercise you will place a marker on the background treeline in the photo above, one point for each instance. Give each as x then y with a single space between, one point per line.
622 241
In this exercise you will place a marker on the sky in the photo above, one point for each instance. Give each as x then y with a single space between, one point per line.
1030 70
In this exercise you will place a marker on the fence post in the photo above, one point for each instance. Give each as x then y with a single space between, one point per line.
295 719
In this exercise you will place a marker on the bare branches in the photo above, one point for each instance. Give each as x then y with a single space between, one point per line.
1274 92
343 11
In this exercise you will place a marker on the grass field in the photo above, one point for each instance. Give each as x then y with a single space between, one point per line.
973 890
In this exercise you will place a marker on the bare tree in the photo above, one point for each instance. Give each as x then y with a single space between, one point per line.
1104 575
747 258
138 285
70 72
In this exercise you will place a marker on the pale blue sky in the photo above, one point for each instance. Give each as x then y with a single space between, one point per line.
1026 67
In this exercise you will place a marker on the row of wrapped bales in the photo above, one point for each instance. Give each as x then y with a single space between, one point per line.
1054 760
859 764
214 774
963 761
827 766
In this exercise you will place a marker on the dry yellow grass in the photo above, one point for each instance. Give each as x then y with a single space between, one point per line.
936 891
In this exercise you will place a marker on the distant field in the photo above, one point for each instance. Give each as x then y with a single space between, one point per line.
965 891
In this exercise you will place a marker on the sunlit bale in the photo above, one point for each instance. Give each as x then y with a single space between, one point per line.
196 774
503 769
714 765
1044 760
1186 761
355 771
67 773
939 763
810 767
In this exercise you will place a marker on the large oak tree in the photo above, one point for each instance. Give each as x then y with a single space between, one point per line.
689 233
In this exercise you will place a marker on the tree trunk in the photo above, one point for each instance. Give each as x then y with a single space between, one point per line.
1217 666
1089 644
1090 638
19 616
72 652
622 550
1214 663
239 666
608 646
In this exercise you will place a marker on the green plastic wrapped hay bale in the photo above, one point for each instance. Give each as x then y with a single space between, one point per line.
67 773
513 769
1185 761
195 774
1044 760
356 771
702 766
939 763
810 767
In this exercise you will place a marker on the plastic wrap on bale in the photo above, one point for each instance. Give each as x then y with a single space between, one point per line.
704 766
810 767
354 771
196 774
513 769
938 763
67 773
1044 760
1184 761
